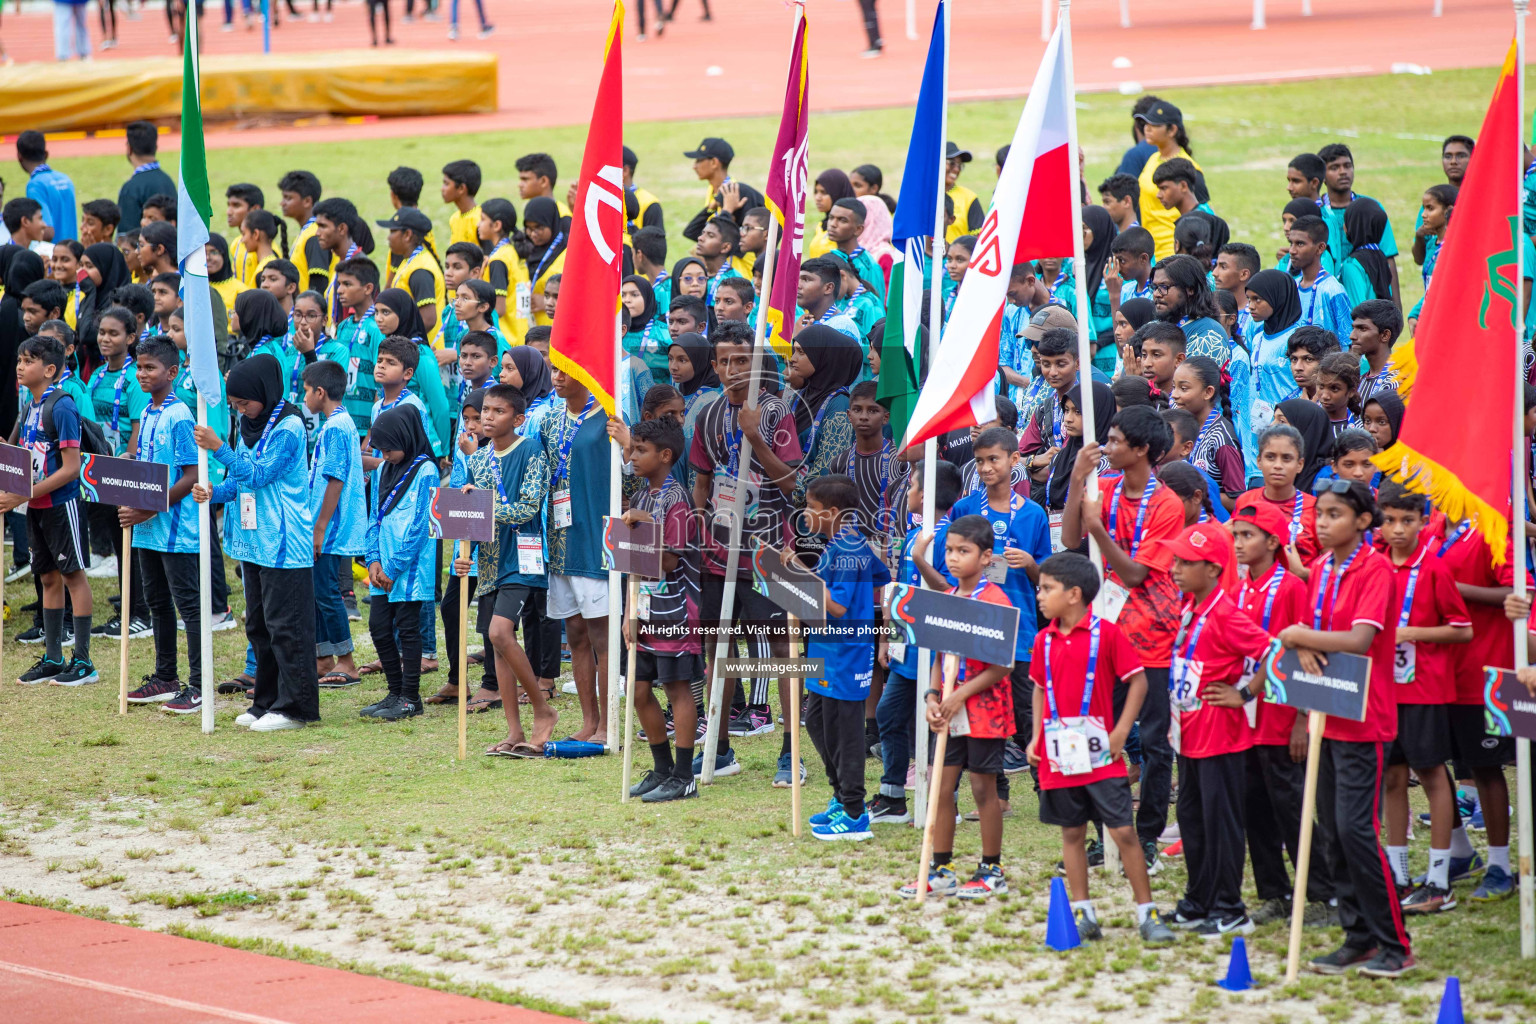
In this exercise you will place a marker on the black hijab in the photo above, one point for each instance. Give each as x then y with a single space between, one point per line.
258 379
261 316
534 370
701 354
398 429
399 302
108 260
19 268
1316 436
1097 220
217 241
836 361
836 185
542 210
1302 208
1061 467
1392 408
1138 312
1277 288
677 275
1364 224
648 296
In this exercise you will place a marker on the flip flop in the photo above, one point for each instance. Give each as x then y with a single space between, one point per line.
428 671
337 681
373 668
526 750
479 707
240 684
502 749
446 695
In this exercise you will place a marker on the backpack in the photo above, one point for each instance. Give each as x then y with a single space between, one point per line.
93 441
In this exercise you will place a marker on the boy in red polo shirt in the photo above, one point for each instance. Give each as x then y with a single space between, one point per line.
1274 598
1350 598
1127 518
1209 686
1282 456
1430 617
1082 775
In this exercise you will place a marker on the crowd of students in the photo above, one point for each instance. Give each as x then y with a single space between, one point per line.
1235 411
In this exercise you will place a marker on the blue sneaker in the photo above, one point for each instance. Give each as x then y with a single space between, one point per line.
1475 821
782 779
1462 868
1466 807
941 882
1014 760
842 828
725 764
1496 885
825 817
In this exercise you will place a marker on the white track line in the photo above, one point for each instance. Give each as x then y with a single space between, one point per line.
134 993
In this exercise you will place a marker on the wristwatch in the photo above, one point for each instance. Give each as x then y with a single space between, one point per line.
1248 695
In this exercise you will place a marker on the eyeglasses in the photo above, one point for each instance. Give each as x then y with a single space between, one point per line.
693 279
1160 288
1338 485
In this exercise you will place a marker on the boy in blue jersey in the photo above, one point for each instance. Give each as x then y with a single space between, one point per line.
477 361
1324 302
337 504
393 372
49 429
357 285
834 708
167 542
898 700
1021 540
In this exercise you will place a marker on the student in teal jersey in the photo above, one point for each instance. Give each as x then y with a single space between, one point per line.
167 542
719 242
1339 180
1365 272
271 531
397 314
478 356
358 337
845 223
474 306
394 373
401 570
821 284
861 302
647 336
340 518
1130 266
461 262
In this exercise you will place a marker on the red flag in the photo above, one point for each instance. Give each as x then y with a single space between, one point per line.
584 340
1461 410
788 176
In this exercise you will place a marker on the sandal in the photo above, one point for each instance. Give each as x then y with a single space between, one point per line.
502 749
525 750
482 705
428 666
373 668
337 681
446 695
242 683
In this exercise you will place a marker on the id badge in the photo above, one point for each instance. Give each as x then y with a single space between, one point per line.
1111 599
960 724
247 511
114 438
1250 708
1184 684
352 365
1056 518
643 604
997 569
39 466
530 555
1403 662
896 651
524 300
1067 749
725 492
560 509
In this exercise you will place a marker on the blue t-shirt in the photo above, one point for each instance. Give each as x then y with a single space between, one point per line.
1273 382
906 666
400 540
278 478
852 573
1135 159
1024 526
118 402
165 436
45 445
56 193
359 337
1326 305
337 457
1206 337
409 398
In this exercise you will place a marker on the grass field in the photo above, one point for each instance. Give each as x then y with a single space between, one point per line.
373 847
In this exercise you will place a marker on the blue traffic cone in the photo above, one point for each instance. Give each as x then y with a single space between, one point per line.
1060 928
1450 1003
1239 978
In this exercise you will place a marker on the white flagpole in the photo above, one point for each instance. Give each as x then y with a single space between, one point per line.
205 573
1518 514
931 446
615 580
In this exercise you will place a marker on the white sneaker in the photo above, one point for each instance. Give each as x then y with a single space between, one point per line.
102 568
221 621
274 722
1170 834
246 720
18 572
570 687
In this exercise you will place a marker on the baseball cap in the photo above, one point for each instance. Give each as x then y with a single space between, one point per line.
408 218
1203 542
1267 518
712 147
954 152
1162 112
1047 319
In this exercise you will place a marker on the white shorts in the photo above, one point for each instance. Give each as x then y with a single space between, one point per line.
570 596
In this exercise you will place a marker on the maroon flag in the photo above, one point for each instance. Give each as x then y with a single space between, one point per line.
788 176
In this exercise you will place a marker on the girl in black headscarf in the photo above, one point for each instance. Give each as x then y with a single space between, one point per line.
647 336
105 272
19 268
1102 231
547 231
258 379
1311 422
697 356
823 365
529 373
1364 224
1386 420
407 316
1104 408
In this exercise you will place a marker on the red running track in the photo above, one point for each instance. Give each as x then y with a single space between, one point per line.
734 64
60 969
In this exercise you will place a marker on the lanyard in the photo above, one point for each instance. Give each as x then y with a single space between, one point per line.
546 257
1057 438
1141 512
35 416
117 389
1093 669
1296 518
725 268
810 445
353 250
565 439
1450 542
501 490
402 396
1338 581
1413 584
261 443
1269 596
150 425
733 446
153 165
1194 640
389 499
831 312
1014 504
1317 286
465 388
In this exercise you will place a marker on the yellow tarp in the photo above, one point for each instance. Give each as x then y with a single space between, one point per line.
385 82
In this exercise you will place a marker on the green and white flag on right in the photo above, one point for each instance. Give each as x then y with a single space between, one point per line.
192 228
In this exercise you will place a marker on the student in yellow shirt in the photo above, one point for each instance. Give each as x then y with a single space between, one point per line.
712 165
239 200
64 267
641 208
969 213
405 185
221 275
543 225
417 270
344 236
831 185
536 176
461 183
300 192
505 267
1164 128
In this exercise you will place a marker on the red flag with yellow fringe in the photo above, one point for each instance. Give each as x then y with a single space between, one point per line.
1455 441
584 340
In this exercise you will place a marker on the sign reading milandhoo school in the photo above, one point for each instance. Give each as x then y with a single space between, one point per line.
1338 690
15 470
632 549
128 482
798 592
460 516
1508 707
953 624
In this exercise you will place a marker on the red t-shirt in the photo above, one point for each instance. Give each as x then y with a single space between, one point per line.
1365 596
1436 602
1289 607
1305 528
1470 561
1068 675
1150 617
1218 639
990 711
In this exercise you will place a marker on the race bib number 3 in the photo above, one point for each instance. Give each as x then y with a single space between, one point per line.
1403 661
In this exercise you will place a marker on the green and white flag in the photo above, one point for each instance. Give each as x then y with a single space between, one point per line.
192 228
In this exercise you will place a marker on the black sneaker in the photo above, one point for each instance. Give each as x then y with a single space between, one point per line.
80 672
1154 862
1387 964
401 708
187 702
139 628
1429 899
154 691
112 627
672 788
45 670
648 782
1215 928
889 810
34 635
373 709
1340 960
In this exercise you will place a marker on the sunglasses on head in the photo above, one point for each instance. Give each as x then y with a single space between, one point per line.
1338 485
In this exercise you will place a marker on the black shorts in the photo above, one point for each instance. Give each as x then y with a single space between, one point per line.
751 609
660 669
57 538
1108 800
1471 745
977 756
507 602
1423 736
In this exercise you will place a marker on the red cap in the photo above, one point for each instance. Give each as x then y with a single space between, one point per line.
1204 542
1267 518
